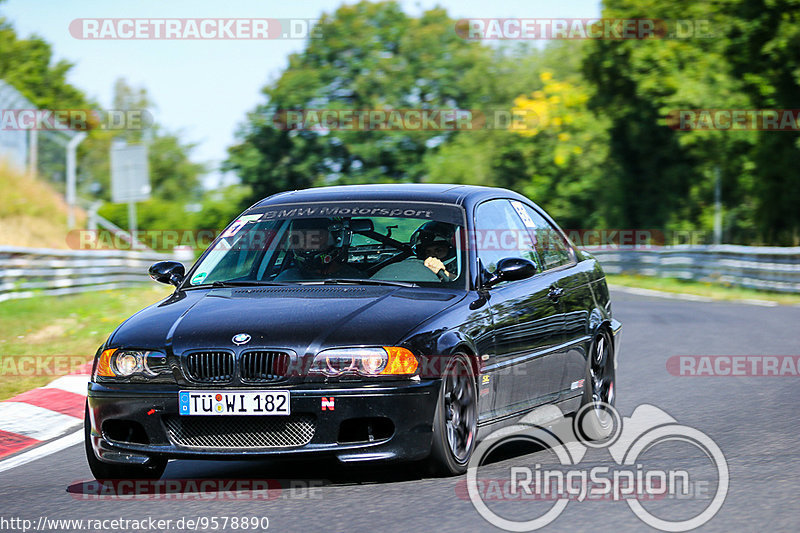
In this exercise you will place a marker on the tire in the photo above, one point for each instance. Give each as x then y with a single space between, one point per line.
455 420
594 421
109 471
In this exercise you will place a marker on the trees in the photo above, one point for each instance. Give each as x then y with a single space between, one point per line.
369 56
762 46
28 65
555 151
604 153
667 177
173 176
637 83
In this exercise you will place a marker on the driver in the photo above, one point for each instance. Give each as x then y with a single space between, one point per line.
319 246
433 244
434 256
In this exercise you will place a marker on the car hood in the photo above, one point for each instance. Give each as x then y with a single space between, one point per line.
304 319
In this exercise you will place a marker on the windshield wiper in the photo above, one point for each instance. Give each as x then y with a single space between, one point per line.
248 283
236 283
360 281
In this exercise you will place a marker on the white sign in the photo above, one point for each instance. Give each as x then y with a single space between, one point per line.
130 174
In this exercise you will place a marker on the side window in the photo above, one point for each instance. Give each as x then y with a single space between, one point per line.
500 234
549 243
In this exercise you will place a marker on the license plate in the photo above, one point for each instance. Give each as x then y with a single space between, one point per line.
204 402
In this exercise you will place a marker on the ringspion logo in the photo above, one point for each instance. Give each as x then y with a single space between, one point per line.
636 478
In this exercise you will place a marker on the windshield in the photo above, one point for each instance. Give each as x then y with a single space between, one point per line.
418 243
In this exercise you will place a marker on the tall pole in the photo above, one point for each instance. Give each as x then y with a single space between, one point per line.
72 148
132 222
717 207
33 152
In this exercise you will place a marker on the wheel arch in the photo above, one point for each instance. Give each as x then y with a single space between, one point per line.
453 342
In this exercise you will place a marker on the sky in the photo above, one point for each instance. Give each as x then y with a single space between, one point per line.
204 89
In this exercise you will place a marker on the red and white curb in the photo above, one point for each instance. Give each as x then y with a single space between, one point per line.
40 415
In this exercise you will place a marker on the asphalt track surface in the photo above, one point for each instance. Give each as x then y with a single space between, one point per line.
754 420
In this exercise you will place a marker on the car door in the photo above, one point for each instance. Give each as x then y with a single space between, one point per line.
558 257
527 322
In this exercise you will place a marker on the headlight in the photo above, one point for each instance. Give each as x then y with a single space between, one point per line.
115 363
380 361
127 363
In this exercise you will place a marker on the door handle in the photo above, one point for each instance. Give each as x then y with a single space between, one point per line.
555 293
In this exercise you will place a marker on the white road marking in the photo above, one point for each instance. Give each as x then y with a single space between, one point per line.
73 383
687 297
660 294
33 421
762 303
42 451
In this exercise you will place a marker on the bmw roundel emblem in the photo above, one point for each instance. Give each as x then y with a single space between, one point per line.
241 338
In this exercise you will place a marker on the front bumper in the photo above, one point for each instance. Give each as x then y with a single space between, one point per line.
409 405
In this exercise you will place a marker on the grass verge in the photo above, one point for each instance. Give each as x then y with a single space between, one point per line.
709 290
32 212
68 327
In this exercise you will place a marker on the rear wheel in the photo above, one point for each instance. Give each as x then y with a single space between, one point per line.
101 470
455 421
595 421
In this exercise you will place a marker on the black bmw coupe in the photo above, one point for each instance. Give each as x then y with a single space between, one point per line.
361 323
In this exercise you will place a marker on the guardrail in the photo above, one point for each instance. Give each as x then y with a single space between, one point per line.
25 272
757 267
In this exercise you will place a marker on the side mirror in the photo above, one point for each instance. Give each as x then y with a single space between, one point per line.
169 272
511 269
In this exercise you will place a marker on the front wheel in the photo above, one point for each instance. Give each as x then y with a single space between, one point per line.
455 421
595 421
102 471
